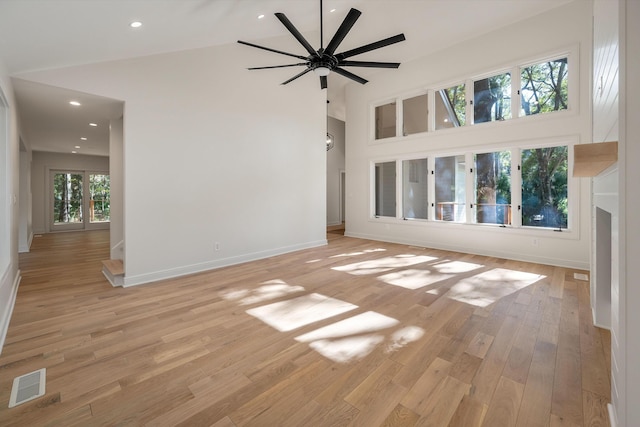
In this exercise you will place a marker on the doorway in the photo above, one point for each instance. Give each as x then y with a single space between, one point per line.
80 200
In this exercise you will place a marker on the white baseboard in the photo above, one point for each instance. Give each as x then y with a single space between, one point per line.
595 323
7 310
26 247
140 279
612 415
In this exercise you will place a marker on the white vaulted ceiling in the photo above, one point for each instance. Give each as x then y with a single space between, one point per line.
44 34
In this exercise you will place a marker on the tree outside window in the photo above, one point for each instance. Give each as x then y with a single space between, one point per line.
492 99
450 107
100 203
544 187
493 187
544 87
67 195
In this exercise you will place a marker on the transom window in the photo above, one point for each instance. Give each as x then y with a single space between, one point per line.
521 91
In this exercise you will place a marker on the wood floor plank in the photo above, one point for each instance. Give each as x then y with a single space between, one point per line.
445 401
470 413
186 352
401 417
505 404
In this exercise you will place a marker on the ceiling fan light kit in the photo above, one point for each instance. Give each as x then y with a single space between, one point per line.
324 60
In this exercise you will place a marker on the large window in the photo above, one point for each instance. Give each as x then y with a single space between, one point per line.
492 98
415 190
450 107
518 187
450 178
67 198
385 189
544 87
100 202
493 187
79 200
544 187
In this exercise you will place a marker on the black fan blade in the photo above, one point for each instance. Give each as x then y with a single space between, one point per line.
345 27
272 50
296 76
277 66
285 21
323 82
369 47
369 64
349 75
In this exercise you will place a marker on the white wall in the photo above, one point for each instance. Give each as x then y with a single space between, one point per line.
212 153
627 354
9 190
335 166
116 176
564 27
25 228
605 277
42 164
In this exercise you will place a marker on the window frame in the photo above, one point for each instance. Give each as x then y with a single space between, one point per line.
571 53
573 187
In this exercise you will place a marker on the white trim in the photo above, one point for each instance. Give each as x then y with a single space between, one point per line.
5 319
571 52
27 247
212 265
463 249
612 415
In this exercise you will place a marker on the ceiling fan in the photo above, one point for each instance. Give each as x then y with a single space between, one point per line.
324 60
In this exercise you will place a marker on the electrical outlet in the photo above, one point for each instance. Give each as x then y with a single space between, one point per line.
534 242
217 246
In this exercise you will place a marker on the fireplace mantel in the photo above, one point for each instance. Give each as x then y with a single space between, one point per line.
591 159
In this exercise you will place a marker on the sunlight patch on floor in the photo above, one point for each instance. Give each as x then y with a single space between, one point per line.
383 264
413 279
359 324
486 288
348 349
456 267
356 337
268 290
366 251
404 336
297 312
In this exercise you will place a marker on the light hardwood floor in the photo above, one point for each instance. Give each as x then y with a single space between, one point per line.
356 333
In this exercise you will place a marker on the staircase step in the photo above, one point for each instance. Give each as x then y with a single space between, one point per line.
114 266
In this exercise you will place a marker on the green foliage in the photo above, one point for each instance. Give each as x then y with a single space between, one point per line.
456 98
544 187
99 189
544 87
67 195
492 98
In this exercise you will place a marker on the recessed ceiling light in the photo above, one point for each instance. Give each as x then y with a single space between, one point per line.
136 24
93 124
332 10
74 103
77 146
74 152
260 16
83 138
